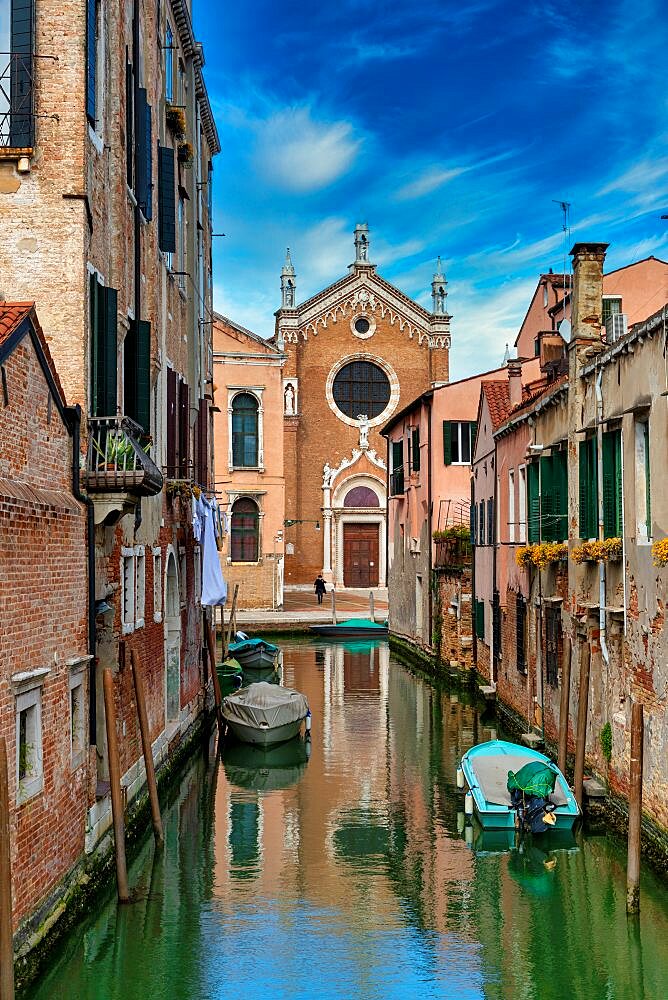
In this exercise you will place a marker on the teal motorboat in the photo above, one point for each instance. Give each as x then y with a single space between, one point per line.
254 654
513 785
353 627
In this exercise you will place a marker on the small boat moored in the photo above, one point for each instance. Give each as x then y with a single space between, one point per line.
265 713
352 627
229 675
254 654
513 785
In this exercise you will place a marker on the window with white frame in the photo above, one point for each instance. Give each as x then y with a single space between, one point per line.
511 505
642 479
29 769
458 449
140 585
77 718
127 590
522 498
197 573
157 585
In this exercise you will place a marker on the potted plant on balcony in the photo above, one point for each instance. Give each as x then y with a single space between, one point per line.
541 554
606 550
660 552
186 154
176 121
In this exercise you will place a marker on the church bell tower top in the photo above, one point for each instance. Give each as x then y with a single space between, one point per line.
362 243
288 283
439 292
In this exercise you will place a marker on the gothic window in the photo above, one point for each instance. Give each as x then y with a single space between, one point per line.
245 431
245 530
361 387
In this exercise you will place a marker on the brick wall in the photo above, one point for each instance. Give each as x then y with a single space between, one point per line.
456 629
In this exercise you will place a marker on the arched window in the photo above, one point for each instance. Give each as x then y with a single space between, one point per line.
361 496
244 431
361 387
245 530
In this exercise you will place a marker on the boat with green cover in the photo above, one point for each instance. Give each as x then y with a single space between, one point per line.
354 626
230 675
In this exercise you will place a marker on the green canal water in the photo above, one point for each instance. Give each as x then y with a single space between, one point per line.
346 873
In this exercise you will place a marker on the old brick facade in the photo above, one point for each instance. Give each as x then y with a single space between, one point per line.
105 222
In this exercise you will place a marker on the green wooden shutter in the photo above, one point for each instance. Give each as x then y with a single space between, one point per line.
143 158
91 59
546 499
447 442
583 487
480 619
533 504
166 200
22 43
137 375
588 487
104 348
560 486
612 484
474 430
415 443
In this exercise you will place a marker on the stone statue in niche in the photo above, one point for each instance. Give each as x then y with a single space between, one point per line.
289 400
364 248
327 474
290 295
364 430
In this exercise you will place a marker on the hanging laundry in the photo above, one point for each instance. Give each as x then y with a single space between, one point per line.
214 588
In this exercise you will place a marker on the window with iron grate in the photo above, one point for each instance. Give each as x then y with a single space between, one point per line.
361 387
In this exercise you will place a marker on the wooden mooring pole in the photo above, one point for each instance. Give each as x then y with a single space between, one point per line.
635 810
147 750
6 937
116 794
564 704
217 696
333 606
372 610
233 613
583 708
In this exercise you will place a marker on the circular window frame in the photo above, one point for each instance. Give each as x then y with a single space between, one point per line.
391 376
370 320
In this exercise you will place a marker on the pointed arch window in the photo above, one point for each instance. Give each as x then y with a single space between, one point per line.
245 542
245 431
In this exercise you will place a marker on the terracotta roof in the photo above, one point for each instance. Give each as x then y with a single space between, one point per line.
11 314
497 395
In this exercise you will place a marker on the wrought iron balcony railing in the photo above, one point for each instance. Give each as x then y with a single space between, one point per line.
117 462
397 482
17 118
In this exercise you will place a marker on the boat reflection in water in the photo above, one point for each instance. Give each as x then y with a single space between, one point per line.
265 769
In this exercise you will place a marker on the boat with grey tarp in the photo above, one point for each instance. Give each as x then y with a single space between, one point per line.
265 713
514 785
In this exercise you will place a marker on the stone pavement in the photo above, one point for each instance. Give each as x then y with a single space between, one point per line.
300 607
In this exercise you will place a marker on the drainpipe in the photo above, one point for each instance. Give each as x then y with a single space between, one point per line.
73 416
601 565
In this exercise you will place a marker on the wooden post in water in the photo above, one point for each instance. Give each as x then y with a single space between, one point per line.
372 610
115 780
635 810
333 606
217 697
564 704
147 750
233 611
6 937
583 708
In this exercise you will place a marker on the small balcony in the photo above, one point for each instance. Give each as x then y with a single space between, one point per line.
453 554
397 482
17 120
119 469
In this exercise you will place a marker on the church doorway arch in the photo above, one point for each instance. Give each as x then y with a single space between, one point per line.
358 528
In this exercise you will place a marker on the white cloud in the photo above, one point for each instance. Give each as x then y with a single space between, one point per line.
298 153
484 321
430 180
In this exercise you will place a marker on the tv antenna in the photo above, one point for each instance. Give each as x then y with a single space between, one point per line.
565 207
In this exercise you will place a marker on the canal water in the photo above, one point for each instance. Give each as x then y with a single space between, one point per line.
346 872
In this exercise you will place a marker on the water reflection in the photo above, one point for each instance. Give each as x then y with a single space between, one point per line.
344 874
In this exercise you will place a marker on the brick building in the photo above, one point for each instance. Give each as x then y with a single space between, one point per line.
356 352
249 460
106 157
44 654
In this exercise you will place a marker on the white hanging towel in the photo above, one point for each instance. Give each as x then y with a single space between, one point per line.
214 588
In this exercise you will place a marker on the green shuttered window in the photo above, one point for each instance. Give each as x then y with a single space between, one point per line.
612 484
143 155
137 374
554 497
104 348
166 200
397 476
533 504
588 487
480 619
91 59
415 448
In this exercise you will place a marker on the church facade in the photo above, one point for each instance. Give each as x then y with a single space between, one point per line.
355 353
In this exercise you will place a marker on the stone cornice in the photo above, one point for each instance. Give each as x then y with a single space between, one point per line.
193 50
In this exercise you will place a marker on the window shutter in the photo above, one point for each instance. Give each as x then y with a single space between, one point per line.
171 423
648 506
138 374
110 375
415 440
166 200
91 59
490 522
104 349
447 442
560 486
472 513
474 430
520 626
22 40
184 428
143 156
612 484
129 125
533 505
546 505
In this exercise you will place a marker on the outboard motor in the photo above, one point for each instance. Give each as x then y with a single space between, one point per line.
530 790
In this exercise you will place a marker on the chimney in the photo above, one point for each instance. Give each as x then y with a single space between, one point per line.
515 382
587 303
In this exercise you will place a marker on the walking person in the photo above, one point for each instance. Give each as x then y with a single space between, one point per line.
320 588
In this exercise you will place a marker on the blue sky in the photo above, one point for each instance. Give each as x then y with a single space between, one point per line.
450 128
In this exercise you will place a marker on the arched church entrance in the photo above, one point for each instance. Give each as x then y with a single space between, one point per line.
360 521
360 555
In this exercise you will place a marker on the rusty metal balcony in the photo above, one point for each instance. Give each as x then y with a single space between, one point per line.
117 462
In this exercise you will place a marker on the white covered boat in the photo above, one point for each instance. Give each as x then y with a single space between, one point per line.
265 713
